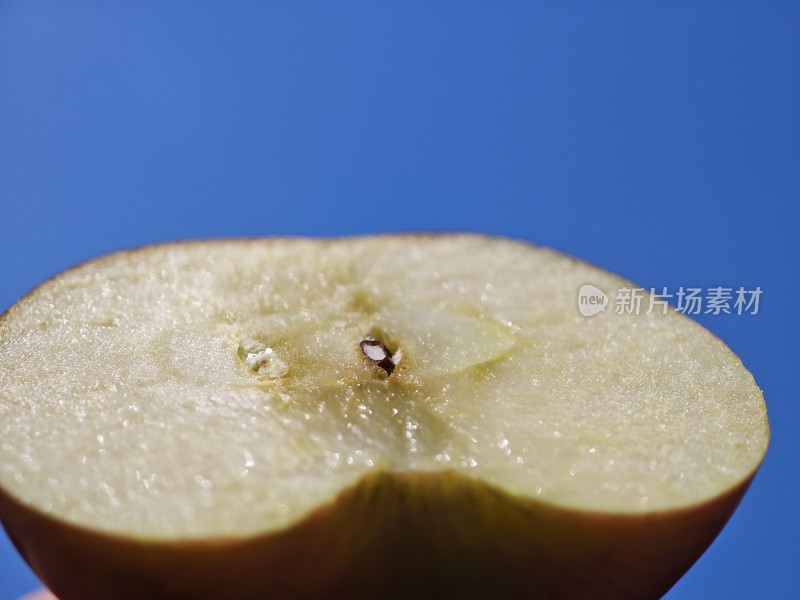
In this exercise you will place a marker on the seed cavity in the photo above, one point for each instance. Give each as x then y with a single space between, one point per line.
262 360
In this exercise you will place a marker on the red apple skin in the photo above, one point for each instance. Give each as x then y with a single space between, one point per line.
401 535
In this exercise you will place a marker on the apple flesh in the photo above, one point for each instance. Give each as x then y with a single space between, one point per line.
390 416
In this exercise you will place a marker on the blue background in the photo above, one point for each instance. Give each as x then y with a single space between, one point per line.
661 142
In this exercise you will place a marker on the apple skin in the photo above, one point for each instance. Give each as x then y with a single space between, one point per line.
392 535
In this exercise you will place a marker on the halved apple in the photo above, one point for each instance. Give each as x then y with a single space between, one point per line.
376 417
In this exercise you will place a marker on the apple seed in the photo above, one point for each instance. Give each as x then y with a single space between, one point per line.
380 355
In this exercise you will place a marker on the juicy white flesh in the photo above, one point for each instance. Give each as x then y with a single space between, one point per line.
218 388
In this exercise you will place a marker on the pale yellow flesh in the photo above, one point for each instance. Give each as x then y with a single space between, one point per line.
218 388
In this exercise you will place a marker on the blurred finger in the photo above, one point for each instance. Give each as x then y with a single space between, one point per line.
39 595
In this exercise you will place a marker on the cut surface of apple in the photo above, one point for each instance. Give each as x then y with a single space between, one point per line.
221 389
